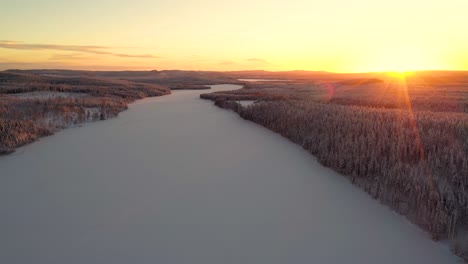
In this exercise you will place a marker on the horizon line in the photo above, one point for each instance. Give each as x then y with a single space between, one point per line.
231 71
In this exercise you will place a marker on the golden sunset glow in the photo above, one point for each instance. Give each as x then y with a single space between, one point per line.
339 36
400 74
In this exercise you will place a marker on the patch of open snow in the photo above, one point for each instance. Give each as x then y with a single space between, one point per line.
246 102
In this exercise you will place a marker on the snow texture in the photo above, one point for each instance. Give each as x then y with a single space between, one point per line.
177 180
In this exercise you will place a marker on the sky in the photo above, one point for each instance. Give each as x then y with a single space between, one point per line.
324 35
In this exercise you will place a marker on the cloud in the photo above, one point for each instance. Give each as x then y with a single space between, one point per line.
100 50
69 56
143 56
27 65
65 65
257 60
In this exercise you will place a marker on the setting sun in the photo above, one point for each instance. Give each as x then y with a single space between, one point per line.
403 59
400 74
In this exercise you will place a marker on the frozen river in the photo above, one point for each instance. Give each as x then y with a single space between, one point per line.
177 180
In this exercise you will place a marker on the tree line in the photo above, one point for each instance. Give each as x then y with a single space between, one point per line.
417 163
75 100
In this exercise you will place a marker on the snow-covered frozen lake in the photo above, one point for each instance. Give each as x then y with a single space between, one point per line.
177 180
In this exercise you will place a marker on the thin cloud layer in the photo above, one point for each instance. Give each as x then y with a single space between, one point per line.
99 50
257 60
70 56
227 63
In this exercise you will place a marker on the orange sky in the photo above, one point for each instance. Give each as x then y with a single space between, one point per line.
332 35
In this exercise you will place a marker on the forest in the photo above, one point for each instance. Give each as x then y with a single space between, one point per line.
37 103
401 138
33 106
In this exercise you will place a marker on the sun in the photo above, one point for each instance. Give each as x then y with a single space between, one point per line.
402 65
400 61
400 74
